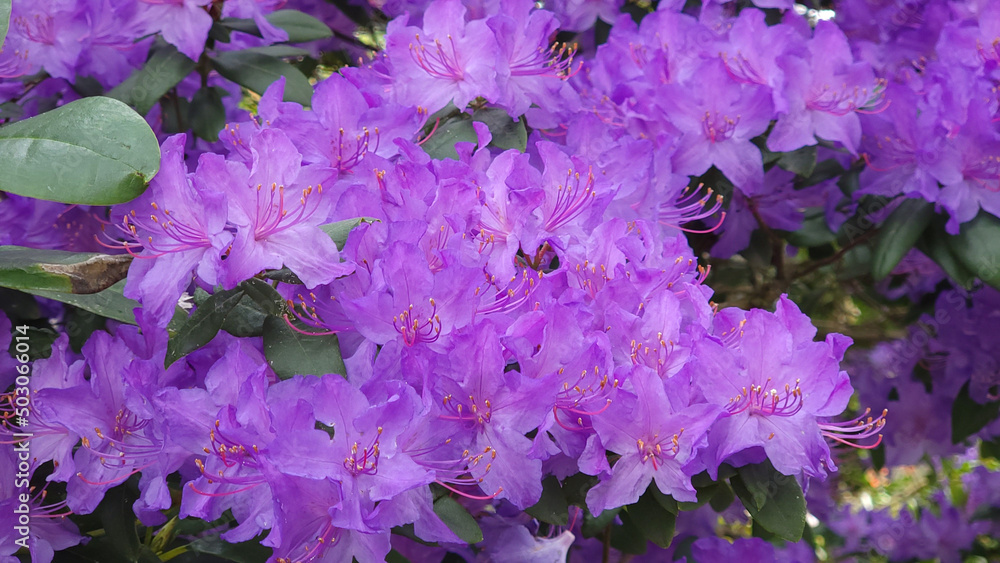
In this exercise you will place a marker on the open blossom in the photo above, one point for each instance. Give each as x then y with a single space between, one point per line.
774 382
180 228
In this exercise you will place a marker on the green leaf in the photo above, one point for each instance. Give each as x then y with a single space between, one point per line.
280 51
934 243
202 326
552 508
300 27
594 525
4 19
207 114
257 71
968 416
290 353
338 231
774 501
174 112
264 296
627 538
31 269
800 161
977 247
115 512
246 552
650 517
94 151
507 133
458 519
441 144
899 233
110 303
164 69
814 230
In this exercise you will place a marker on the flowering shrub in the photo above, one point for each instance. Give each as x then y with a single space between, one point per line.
499 281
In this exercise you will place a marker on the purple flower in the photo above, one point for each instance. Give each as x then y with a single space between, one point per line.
183 23
718 117
180 227
277 207
825 93
655 440
449 60
774 383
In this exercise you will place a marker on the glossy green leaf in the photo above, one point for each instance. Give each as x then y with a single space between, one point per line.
164 69
202 326
507 133
595 525
774 501
267 299
458 519
650 517
552 507
934 243
4 19
110 303
338 231
207 114
801 161
245 552
291 353
94 151
31 269
257 71
299 26
969 416
441 144
977 247
898 235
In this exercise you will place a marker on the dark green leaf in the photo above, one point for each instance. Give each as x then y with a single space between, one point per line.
80 325
164 69
338 231
898 235
552 508
666 501
575 488
110 303
115 512
280 51
202 326
458 519
801 161
396 557
257 71
266 297
594 525
935 245
774 501
814 230
977 247
968 416
174 111
94 151
627 538
4 19
507 133
441 144
990 448
30 269
290 353
654 521
207 113
299 26
246 552
823 171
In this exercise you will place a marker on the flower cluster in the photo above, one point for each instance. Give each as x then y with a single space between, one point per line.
517 300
